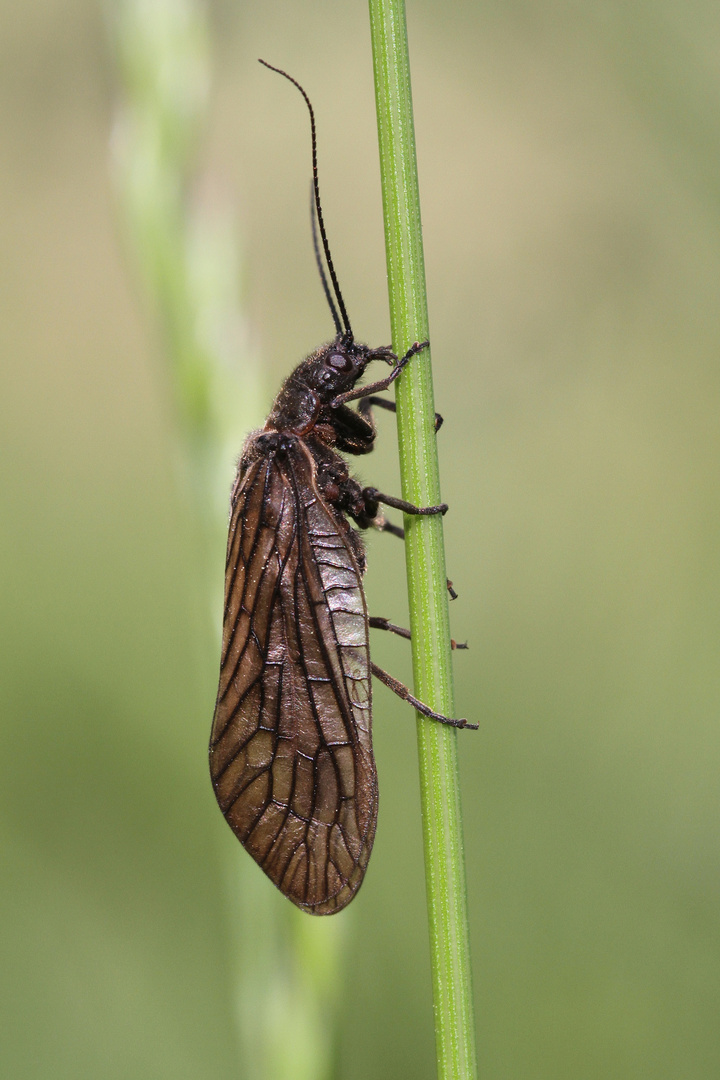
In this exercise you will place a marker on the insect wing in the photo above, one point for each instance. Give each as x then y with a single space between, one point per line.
291 753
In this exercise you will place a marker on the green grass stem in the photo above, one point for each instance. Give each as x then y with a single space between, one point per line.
429 618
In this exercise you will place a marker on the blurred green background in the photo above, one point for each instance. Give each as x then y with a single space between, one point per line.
568 159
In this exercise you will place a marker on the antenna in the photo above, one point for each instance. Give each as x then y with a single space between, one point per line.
321 224
318 260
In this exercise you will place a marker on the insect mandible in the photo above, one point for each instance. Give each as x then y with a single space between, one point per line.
291 756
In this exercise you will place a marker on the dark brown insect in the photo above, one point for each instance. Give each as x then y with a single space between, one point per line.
291 754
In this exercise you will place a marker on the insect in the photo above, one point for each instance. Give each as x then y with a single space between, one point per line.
291 756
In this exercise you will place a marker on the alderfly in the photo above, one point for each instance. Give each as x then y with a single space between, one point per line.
291 754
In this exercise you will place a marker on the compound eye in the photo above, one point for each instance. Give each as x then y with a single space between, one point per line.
339 362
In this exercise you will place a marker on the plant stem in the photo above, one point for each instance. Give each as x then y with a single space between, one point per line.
429 619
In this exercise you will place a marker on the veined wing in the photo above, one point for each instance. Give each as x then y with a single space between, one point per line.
290 752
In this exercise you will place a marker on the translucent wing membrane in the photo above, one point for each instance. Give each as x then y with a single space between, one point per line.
291 753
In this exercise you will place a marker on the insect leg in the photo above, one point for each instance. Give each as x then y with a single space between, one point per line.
362 505
366 405
381 384
381 523
372 495
403 692
378 623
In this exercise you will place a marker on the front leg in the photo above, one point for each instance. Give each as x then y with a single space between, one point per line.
353 431
381 384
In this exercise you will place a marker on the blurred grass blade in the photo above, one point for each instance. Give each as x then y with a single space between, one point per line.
185 252
183 244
